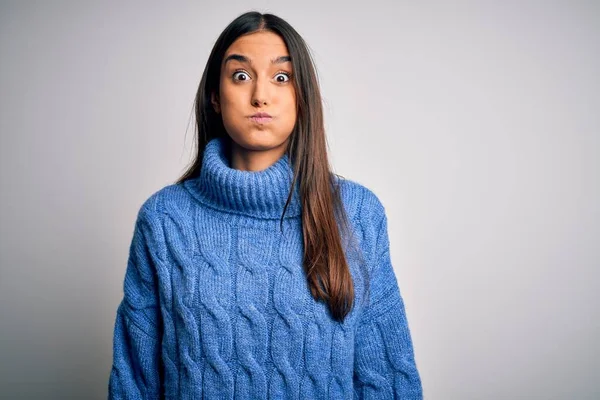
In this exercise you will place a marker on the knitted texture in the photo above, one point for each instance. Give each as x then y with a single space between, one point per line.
216 303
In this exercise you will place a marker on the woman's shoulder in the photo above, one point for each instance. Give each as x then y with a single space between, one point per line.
361 202
367 213
168 197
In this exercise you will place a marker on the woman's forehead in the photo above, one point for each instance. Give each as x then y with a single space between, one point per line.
263 46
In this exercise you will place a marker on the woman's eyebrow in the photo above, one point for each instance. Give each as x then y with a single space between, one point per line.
243 59
281 60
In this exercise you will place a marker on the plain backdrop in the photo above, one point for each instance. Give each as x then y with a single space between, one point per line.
476 123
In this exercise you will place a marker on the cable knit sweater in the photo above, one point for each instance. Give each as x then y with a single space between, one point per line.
216 303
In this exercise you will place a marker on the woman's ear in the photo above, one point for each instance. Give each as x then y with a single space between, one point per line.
214 99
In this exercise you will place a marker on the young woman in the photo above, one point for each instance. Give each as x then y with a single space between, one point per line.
260 274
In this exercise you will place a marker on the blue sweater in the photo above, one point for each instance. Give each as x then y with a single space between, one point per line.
216 303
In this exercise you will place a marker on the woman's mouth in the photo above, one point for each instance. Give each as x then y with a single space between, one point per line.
261 118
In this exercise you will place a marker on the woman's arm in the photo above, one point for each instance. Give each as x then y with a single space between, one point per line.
136 370
385 366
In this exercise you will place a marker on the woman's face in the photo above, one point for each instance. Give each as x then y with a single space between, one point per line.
256 78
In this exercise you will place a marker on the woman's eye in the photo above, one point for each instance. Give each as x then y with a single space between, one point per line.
282 77
240 76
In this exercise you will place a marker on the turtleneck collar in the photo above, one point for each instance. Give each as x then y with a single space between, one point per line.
260 194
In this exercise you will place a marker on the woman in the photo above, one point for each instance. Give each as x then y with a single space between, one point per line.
259 273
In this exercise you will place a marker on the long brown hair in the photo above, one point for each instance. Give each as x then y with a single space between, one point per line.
324 219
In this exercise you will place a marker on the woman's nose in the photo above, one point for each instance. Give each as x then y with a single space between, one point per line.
260 94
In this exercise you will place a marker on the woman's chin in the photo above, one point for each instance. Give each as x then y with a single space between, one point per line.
259 141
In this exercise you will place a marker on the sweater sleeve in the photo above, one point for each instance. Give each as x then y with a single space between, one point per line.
385 366
135 372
